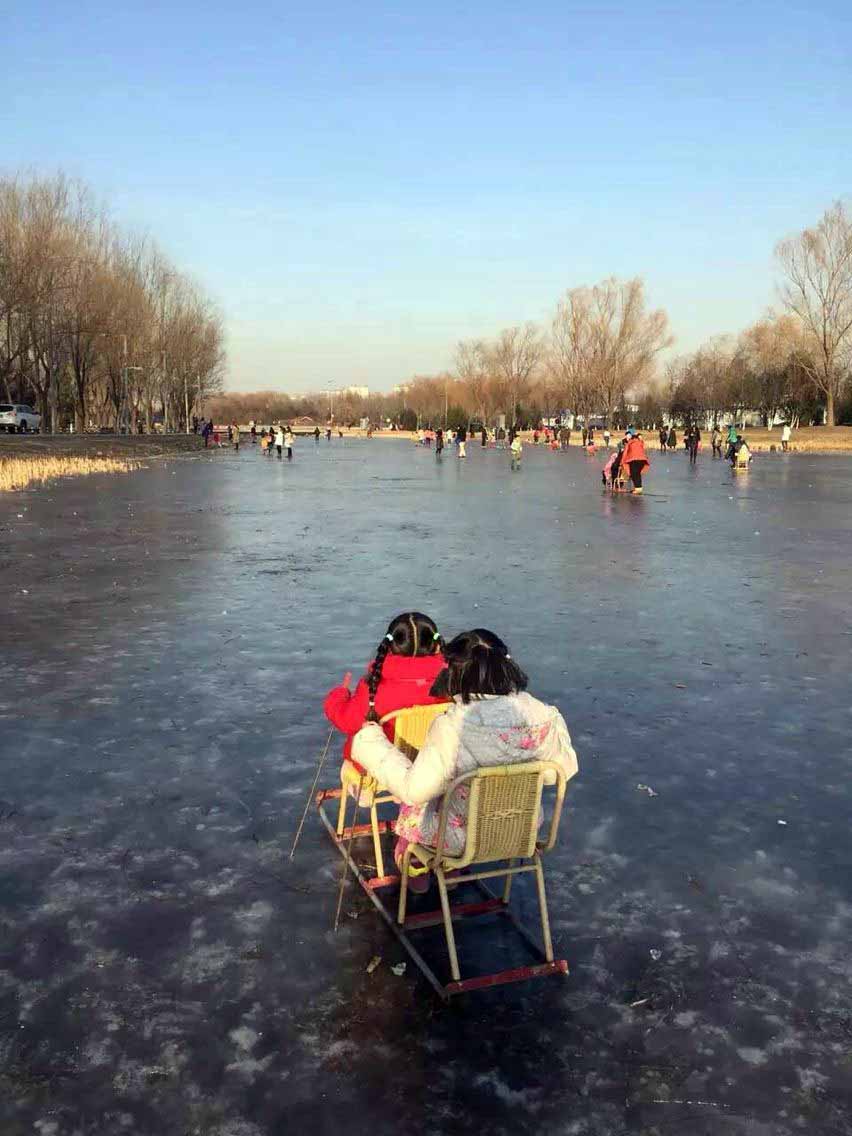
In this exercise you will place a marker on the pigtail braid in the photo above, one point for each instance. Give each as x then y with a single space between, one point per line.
376 675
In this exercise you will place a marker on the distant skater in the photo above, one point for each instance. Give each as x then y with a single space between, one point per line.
253 432
288 442
279 440
439 442
316 434
693 442
516 450
236 437
731 442
716 441
328 433
785 437
671 441
664 437
635 459
462 439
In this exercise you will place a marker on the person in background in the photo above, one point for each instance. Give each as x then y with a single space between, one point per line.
606 472
635 459
279 440
516 450
439 442
289 441
785 437
585 436
461 437
616 464
716 440
591 437
731 442
206 431
664 437
253 432
316 434
483 434
328 433
671 440
693 441
606 437
741 454
235 437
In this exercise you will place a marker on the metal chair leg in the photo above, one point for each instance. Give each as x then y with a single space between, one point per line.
448 924
507 890
377 840
341 812
542 903
403 885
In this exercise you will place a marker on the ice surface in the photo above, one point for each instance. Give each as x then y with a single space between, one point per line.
165 969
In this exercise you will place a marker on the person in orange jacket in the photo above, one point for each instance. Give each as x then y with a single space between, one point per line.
635 459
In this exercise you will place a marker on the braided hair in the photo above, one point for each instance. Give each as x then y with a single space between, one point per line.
410 634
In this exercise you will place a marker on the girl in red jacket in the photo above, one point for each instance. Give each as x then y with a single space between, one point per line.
407 662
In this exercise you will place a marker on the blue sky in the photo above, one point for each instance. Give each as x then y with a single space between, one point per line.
361 185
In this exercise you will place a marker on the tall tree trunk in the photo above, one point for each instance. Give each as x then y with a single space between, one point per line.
829 406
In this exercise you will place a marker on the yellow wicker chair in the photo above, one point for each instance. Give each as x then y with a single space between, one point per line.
411 726
504 807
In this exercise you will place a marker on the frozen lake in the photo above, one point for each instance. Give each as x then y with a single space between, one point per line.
167 638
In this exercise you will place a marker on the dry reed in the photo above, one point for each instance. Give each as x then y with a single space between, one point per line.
20 472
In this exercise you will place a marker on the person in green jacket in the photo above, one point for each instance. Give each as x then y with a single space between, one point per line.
732 441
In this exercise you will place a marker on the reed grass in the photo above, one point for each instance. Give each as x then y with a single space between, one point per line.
20 472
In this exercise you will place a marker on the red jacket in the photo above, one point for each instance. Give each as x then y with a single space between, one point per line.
406 681
635 451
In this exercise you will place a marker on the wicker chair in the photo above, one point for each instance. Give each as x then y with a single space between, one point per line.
410 728
504 807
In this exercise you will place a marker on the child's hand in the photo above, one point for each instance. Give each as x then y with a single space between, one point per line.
347 678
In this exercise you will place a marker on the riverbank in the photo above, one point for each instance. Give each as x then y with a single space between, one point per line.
808 439
36 459
98 445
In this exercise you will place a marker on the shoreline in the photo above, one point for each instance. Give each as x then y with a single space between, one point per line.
821 440
828 440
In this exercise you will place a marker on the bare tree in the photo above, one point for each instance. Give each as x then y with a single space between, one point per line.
604 342
513 359
817 265
474 374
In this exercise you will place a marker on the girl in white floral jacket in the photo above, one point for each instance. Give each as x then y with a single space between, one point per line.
492 722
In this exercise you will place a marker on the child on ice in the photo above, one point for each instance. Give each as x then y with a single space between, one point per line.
406 664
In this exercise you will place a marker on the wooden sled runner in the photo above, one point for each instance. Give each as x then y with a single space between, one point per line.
502 841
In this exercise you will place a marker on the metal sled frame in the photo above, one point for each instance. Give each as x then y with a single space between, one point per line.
489 905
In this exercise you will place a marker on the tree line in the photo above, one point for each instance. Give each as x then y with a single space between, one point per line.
97 327
599 356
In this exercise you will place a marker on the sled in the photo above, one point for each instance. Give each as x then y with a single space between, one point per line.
502 842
